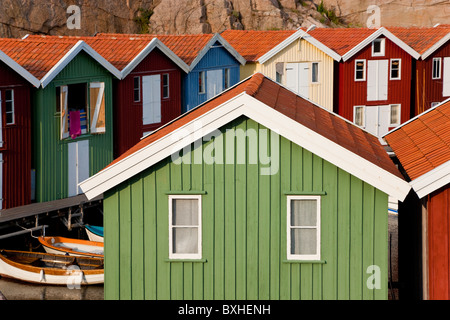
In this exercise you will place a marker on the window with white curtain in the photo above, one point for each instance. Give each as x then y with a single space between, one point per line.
185 232
303 228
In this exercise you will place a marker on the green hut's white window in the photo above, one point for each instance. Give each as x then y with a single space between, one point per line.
303 227
185 227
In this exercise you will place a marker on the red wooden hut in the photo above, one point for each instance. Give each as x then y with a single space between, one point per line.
148 95
422 147
15 133
432 70
373 78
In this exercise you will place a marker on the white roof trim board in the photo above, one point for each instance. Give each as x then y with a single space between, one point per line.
19 69
436 46
432 180
381 31
154 43
246 105
224 43
72 53
299 34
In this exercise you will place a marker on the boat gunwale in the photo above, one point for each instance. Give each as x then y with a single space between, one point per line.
43 241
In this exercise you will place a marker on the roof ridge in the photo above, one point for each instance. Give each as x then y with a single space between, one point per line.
254 84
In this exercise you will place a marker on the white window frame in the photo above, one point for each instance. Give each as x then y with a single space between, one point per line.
202 88
364 69
227 78
305 257
312 70
363 118
399 69
399 114
167 85
439 61
138 89
185 256
382 42
13 111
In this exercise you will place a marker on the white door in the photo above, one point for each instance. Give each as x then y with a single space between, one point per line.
214 83
377 80
297 78
78 165
446 78
151 99
377 119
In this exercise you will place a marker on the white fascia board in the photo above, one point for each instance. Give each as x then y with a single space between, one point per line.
432 180
436 46
376 34
154 43
286 42
19 69
328 150
70 55
214 39
244 104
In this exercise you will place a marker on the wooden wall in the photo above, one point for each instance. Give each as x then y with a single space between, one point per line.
244 231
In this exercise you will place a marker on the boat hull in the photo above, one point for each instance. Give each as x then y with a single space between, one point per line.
71 275
72 247
93 234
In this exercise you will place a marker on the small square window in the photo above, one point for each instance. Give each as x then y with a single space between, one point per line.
360 70
315 72
395 115
185 231
303 234
436 68
378 47
201 82
165 85
396 65
358 116
137 89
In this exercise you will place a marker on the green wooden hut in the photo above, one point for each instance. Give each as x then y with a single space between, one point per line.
256 194
74 81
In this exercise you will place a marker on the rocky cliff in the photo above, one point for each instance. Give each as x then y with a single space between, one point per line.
19 17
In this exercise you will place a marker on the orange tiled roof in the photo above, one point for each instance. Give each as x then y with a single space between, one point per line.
341 40
418 38
36 56
423 144
187 47
119 51
253 44
288 103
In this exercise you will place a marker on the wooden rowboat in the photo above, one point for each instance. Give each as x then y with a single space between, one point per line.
54 269
72 247
95 233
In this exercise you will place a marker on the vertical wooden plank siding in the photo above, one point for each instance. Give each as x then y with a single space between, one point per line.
216 58
244 229
439 244
50 153
321 92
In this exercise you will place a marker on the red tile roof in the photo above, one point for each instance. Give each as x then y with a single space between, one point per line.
36 56
119 51
420 39
187 47
341 40
253 44
423 144
320 120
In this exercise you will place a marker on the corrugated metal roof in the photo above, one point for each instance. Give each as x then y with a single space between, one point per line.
423 143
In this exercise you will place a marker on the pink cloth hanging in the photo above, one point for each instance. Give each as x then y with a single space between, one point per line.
74 125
